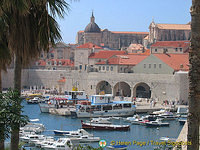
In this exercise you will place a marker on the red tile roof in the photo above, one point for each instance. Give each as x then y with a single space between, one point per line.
174 26
124 60
89 45
171 44
41 63
175 61
105 54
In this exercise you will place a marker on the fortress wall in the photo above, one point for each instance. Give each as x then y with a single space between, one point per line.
162 86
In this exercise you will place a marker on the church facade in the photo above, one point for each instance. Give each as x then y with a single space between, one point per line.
108 39
168 32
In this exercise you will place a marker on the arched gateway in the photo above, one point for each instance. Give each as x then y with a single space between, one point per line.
103 87
142 90
122 89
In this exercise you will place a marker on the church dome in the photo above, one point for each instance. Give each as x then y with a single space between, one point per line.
92 26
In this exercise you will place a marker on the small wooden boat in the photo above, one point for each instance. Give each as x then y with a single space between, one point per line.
96 126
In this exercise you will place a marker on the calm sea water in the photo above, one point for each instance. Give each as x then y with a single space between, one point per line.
137 133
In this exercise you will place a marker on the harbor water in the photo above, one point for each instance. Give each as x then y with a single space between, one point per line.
139 137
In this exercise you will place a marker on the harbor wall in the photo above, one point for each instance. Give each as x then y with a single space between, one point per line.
162 86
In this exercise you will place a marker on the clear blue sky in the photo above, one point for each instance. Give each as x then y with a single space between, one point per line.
123 15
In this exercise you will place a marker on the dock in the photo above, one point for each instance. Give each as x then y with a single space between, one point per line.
61 111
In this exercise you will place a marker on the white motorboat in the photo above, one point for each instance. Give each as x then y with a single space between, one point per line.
159 112
156 123
78 133
34 100
97 126
60 144
167 116
33 127
140 121
101 120
46 141
130 119
86 138
29 137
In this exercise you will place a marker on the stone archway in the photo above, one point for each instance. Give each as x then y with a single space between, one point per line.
122 89
142 90
103 87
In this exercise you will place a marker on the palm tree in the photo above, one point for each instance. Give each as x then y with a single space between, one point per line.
31 28
194 75
5 60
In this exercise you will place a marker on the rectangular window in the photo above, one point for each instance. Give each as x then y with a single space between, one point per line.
160 66
149 65
144 65
181 49
176 49
156 50
91 86
99 67
103 67
154 65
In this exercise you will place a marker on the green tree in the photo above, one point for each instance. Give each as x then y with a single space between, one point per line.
194 76
8 118
30 28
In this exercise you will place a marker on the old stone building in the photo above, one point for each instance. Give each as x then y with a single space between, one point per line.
170 47
169 32
109 39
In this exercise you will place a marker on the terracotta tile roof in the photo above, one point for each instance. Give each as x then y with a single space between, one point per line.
171 44
175 61
129 32
124 60
41 63
105 54
89 45
174 26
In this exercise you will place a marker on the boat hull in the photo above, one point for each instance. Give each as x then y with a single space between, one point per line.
104 113
157 125
57 132
104 127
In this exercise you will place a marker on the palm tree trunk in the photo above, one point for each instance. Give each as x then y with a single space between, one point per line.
0 81
2 145
17 86
194 76
1 140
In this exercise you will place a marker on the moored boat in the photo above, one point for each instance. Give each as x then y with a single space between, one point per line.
156 123
96 126
104 106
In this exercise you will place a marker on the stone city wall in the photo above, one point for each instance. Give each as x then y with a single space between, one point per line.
162 86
